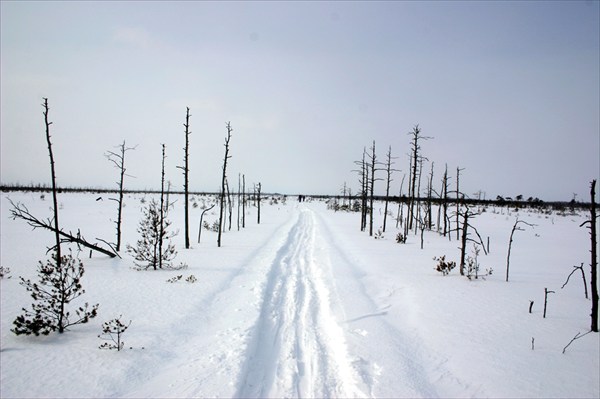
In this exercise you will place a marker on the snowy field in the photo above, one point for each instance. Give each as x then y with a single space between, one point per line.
306 305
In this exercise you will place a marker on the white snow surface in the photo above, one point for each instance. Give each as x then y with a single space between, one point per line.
306 305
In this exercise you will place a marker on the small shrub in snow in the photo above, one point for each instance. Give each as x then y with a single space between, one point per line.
154 249
190 279
378 234
4 272
112 331
175 279
59 284
401 238
444 266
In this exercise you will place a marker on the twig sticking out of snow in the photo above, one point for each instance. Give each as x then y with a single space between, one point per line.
579 335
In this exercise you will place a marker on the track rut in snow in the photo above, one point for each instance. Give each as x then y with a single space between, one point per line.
298 349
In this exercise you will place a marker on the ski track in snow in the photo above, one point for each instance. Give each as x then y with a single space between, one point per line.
299 350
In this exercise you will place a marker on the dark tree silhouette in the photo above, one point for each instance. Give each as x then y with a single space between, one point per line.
118 159
515 228
224 182
415 156
389 170
594 256
154 249
186 171
59 279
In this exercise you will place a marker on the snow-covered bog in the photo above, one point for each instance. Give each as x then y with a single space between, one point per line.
306 305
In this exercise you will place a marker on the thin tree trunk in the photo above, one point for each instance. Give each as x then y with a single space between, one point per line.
161 227
594 256
258 202
223 181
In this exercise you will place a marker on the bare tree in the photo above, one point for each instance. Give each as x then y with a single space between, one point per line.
415 156
429 194
389 170
466 215
118 159
372 187
258 189
594 256
457 197
364 190
59 279
515 228
223 181
575 268
239 198
186 171
243 201
400 207
54 190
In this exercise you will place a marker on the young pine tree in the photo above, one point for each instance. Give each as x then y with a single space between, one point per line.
150 250
59 284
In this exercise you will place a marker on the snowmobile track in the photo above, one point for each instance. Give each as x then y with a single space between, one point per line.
298 349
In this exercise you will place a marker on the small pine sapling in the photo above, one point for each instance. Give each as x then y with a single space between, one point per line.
400 238
59 284
175 279
444 266
112 331
151 251
4 272
191 279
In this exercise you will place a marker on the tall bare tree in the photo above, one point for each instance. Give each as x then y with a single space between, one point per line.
389 170
416 138
594 256
457 199
223 182
186 171
258 190
118 159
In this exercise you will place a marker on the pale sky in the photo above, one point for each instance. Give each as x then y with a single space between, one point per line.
510 91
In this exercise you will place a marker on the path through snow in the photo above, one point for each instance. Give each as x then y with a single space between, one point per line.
305 345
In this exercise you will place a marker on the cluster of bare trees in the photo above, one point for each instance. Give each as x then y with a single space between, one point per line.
59 278
419 212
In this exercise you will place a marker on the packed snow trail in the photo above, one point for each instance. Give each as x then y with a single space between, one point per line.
299 350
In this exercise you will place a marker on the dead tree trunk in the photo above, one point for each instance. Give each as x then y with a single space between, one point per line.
418 197
258 188
515 228
186 171
54 190
594 256
399 213
445 200
546 292
415 155
575 268
457 197
201 217
229 203
239 197
223 181
162 211
21 212
429 193
118 159
389 179
243 201
372 188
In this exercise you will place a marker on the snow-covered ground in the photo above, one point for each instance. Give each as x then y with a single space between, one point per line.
306 305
